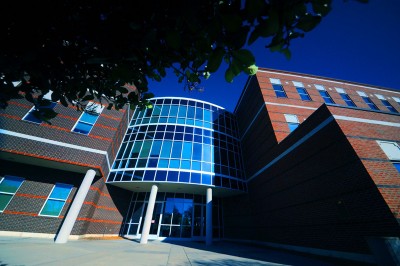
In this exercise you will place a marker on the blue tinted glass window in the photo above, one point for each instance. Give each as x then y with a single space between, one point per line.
292 126
8 187
389 106
397 165
199 113
279 91
187 150
185 164
166 148
88 119
56 200
165 110
184 177
325 95
163 163
206 179
207 153
303 94
173 111
155 150
173 176
30 116
196 165
174 163
196 178
182 111
207 115
176 149
347 99
190 113
161 175
370 104
196 151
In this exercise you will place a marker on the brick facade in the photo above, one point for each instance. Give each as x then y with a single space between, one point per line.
326 185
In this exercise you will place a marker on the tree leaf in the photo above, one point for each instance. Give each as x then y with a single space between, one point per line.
229 75
308 22
88 98
244 56
215 59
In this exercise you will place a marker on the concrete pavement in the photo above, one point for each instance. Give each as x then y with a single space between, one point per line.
38 251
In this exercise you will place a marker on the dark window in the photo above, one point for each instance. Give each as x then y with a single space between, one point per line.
303 94
347 99
279 91
44 111
389 106
325 95
368 101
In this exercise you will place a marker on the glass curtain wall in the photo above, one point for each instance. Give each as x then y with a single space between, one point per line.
181 140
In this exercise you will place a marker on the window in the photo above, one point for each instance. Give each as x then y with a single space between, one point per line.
367 100
397 99
278 88
8 187
392 151
293 121
324 94
302 91
386 103
346 97
88 118
56 200
44 112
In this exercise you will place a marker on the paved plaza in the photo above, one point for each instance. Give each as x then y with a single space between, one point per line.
18 251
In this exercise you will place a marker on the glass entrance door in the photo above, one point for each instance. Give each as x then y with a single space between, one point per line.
155 219
198 221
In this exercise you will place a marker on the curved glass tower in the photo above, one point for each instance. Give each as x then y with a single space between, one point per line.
183 146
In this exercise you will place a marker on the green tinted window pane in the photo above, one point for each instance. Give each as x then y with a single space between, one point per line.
4 200
156 111
52 208
145 149
10 184
61 191
136 149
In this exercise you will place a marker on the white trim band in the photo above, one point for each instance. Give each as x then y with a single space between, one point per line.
368 121
53 142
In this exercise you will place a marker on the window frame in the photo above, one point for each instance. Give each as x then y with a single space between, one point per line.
322 90
278 88
10 193
390 107
56 199
292 120
99 110
306 95
345 97
392 154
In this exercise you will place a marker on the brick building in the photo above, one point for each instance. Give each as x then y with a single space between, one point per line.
304 162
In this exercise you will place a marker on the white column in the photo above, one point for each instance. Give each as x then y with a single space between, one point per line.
69 221
209 225
149 215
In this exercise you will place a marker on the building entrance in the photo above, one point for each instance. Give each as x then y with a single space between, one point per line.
176 216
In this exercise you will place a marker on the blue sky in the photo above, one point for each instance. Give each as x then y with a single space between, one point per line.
355 42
